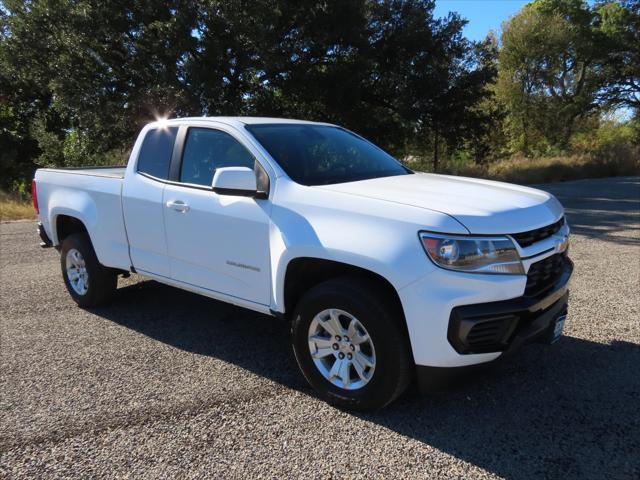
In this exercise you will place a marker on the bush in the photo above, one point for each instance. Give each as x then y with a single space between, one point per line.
607 148
609 136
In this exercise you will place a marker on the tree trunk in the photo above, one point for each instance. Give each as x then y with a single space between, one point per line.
567 131
479 152
436 142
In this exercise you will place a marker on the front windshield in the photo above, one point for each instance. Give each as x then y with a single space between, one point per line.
322 154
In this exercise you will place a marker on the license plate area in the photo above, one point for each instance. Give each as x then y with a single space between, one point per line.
557 328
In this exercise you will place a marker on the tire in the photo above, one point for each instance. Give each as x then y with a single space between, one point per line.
101 282
377 318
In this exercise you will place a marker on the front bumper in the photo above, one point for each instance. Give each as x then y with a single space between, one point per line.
506 325
502 326
429 303
538 329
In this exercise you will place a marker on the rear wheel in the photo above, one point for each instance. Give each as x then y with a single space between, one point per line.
349 344
89 283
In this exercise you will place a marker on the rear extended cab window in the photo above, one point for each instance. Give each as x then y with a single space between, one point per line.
155 154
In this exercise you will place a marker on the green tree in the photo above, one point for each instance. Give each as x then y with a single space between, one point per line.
484 128
447 80
618 30
101 69
80 78
547 78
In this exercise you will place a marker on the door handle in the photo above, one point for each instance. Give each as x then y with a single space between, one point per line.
178 206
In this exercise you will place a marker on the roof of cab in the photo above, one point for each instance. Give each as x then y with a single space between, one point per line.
241 120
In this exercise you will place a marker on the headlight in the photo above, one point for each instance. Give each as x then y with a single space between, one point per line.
473 254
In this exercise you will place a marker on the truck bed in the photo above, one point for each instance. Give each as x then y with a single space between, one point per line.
92 195
112 172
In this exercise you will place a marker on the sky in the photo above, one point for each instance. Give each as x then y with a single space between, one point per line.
483 15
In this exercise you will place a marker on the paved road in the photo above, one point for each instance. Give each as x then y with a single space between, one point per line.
166 384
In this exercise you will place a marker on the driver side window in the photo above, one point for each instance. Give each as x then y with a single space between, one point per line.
206 150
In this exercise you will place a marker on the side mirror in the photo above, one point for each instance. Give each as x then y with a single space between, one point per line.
235 181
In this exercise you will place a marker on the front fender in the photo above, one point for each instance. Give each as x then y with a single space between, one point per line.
393 253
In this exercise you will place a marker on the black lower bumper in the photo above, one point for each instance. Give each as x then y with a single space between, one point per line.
505 325
46 241
498 327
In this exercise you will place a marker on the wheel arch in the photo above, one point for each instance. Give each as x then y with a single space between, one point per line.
71 207
65 225
303 273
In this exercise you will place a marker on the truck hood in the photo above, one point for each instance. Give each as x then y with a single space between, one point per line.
482 206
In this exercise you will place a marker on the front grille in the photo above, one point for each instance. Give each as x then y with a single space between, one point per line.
543 275
526 239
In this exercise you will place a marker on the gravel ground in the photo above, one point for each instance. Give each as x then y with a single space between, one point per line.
166 384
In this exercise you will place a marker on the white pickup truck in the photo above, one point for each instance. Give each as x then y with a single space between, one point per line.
386 275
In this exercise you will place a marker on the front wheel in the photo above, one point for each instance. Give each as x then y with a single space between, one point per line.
89 283
350 345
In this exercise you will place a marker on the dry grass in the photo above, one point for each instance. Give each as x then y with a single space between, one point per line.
615 163
561 169
12 208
